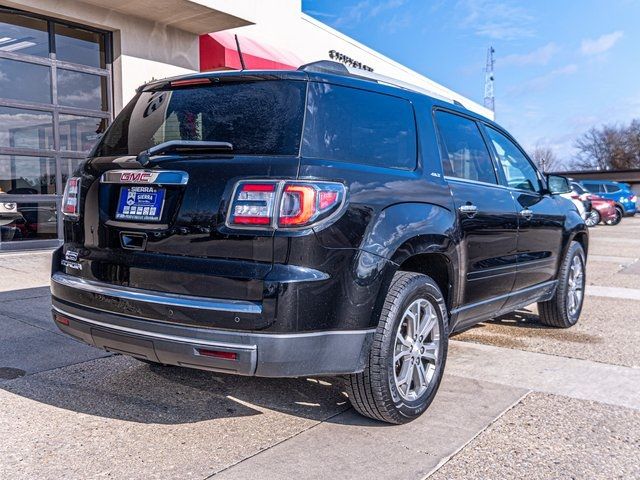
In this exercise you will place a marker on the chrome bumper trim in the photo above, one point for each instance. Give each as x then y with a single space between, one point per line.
154 335
148 296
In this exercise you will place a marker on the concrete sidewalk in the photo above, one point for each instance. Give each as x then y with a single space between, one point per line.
518 399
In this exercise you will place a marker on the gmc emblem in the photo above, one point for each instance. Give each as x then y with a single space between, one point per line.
137 177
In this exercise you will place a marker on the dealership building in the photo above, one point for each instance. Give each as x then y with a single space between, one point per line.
68 66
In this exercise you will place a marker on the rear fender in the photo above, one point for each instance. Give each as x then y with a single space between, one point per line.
397 234
574 228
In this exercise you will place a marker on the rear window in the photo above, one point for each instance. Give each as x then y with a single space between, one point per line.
350 125
258 118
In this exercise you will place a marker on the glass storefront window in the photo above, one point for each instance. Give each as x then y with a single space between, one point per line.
23 34
79 134
22 128
41 129
28 221
25 81
80 46
23 175
68 166
82 90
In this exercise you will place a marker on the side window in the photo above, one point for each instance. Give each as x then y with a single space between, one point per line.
611 188
464 154
350 125
594 187
518 170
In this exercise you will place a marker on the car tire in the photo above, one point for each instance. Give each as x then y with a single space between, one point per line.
617 219
593 218
400 358
563 310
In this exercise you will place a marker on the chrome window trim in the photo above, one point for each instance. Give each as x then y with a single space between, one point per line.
149 296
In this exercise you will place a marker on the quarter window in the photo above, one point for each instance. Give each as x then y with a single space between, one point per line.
350 125
612 188
464 153
518 170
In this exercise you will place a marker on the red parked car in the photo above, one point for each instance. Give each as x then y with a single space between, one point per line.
602 209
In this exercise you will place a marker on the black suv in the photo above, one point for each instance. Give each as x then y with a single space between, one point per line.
311 222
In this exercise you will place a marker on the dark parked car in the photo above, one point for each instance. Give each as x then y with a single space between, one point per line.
305 223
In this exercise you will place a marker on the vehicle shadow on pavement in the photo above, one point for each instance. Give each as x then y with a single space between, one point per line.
65 373
518 329
122 388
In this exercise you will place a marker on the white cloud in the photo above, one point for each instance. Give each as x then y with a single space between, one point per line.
497 20
539 83
540 56
600 44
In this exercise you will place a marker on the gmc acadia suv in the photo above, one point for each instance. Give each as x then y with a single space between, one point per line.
310 222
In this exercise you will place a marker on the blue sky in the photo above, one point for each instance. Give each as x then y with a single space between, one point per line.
561 66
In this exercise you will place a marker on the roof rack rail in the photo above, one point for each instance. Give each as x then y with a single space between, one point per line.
335 68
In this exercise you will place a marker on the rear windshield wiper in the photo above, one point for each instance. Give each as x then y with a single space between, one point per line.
183 146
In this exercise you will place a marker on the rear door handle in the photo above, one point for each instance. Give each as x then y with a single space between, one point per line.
468 209
526 213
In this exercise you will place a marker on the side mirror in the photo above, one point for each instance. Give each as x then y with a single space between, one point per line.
558 184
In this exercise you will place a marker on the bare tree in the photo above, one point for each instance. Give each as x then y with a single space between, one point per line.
545 158
610 147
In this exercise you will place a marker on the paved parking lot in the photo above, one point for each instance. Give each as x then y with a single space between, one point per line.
518 400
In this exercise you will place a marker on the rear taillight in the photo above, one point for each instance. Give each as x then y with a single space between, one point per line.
71 198
280 204
634 199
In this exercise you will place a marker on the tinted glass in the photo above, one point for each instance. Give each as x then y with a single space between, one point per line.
25 81
80 46
28 221
578 188
612 188
262 117
350 125
22 175
594 187
80 133
82 90
22 128
20 34
464 153
517 169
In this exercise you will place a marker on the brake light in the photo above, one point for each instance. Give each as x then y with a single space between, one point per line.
634 199
71 198
281 204
298 204
190 81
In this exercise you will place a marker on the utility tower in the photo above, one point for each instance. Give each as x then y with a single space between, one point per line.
489 98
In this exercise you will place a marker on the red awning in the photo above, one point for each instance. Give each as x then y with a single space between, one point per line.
218 51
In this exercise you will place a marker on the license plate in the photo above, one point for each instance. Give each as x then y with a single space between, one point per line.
141 203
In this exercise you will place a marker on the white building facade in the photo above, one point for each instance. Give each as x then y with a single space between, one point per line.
67 67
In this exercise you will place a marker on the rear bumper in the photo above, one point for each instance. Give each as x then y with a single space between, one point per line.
252 353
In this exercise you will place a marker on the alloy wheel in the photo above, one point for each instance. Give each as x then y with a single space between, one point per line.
593 218
416 349
575 290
